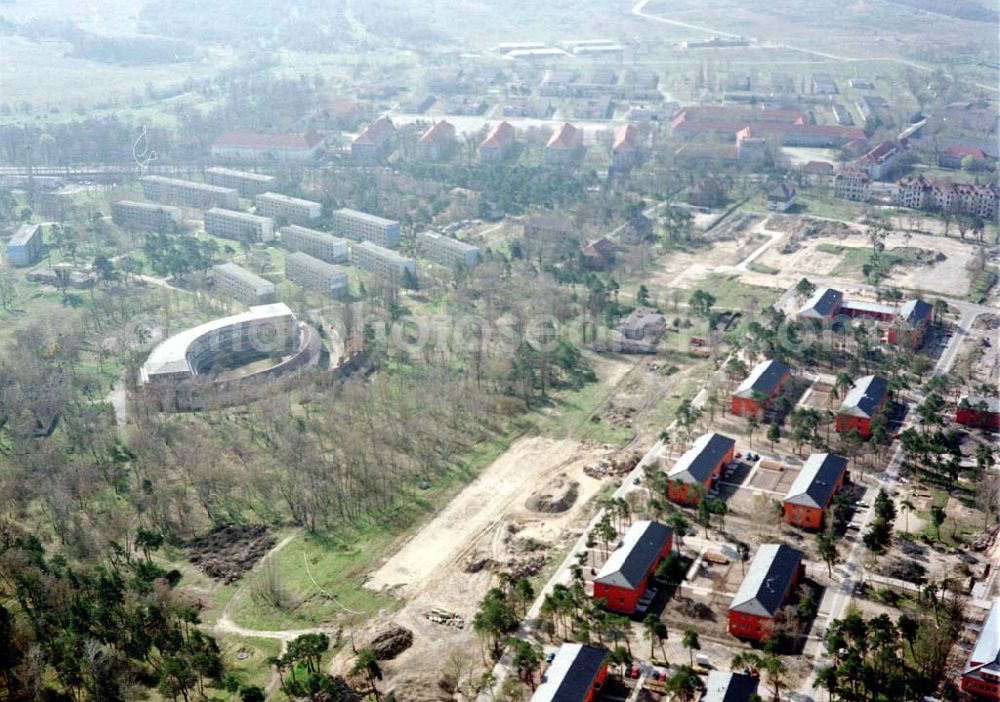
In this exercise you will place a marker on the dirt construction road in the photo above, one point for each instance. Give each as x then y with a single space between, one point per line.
484 521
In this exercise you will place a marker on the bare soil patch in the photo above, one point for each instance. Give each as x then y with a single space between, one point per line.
230 550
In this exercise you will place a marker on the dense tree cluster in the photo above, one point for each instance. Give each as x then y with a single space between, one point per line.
97 633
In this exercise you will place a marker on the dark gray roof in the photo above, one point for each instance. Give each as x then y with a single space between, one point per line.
723 686
571 674
915 312
763 590
823 303
783 192
634 559
814 485
700 460
865 397
764 378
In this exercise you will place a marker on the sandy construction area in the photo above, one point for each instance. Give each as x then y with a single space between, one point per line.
475 513
486 519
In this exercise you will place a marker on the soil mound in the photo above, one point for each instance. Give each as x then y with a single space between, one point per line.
557 496
230 550
390 642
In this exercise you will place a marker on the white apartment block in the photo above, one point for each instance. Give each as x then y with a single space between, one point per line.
920 193
240 284
446 251
186 193
248 184
293 209
129 214
231 224
384 263
852 185
362 226
314 274
321 245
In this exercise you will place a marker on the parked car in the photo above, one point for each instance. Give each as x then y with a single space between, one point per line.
634 672
853 526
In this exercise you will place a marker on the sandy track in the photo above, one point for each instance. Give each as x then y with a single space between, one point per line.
474 512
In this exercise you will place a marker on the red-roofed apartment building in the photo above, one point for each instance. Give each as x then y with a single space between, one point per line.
879 162
498 144
375 141
437 143
250 146
791 127
626 150
565 146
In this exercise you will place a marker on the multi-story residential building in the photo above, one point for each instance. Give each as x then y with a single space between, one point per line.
699 467
576 674
321 245
446 251
921 193
759 389
386 264
314 274
437 143
626 149
375 142
248 184
768 584
863 403
880 161
977 411
25 245
565 146
823 84
981 675
145 216
242 226
813 489
239 283
186 193
286 148
269 330
723 686
294 210
498 144
852 184
362 226
622 580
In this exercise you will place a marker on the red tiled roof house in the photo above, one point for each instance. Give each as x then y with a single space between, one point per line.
437 143
701 465
249 146
498 144
623 579
565 146
375 141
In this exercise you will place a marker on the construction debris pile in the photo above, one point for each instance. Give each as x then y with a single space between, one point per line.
613 467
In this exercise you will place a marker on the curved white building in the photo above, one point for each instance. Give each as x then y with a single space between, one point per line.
265 330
